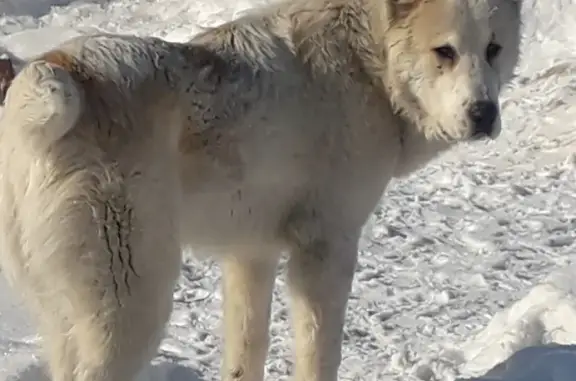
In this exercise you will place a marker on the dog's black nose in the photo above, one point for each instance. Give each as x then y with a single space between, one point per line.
483 114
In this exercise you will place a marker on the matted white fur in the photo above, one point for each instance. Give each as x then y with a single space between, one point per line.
275 132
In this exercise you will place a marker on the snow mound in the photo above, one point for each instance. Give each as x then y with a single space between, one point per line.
550 362
546 315
27 43
36 8
534 339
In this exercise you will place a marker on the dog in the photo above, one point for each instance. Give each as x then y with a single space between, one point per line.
276 132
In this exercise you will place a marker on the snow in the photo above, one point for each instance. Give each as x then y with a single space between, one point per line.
466 268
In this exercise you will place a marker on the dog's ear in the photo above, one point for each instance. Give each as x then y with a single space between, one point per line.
399 9
386 13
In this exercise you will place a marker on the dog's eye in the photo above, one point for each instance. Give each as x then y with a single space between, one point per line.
446 52
492 51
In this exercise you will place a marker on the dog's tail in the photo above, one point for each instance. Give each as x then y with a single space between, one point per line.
44 102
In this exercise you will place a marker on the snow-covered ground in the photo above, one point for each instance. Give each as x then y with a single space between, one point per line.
466 267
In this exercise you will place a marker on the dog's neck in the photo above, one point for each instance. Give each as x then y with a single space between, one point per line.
368 62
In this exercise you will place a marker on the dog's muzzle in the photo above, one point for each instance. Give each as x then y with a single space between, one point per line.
483 114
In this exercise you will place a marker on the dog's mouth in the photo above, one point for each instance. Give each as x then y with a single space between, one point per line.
478 136
444 135
475 137
492 134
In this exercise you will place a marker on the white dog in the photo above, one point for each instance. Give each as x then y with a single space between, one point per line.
278 131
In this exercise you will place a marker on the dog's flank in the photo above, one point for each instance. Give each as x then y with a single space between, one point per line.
276 132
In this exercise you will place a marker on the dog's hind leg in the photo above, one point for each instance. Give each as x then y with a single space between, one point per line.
247 286
109 275
320 273
44 103
58 349
100 252
98 242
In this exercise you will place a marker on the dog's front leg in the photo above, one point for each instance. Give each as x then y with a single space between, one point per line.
320 274
248 286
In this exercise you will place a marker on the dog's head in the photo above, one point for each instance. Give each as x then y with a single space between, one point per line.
447 61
